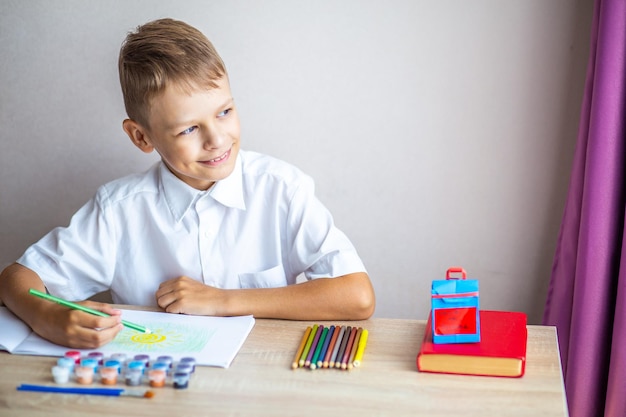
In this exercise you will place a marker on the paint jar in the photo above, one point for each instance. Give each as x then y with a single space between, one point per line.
184 368
136 365
143 358
161 367
61 374
98 356
108 375
134 376
66 363
74 355
111 363
166 359
120 357
181 380
191 361
156 377
84 375
92 363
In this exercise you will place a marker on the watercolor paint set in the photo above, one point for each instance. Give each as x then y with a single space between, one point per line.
119 369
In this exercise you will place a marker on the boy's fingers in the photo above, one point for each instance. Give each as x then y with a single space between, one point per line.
104 307
93 338
90 321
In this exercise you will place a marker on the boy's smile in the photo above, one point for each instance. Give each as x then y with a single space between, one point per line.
195 132
217 161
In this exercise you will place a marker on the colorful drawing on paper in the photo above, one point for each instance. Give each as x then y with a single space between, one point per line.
165 337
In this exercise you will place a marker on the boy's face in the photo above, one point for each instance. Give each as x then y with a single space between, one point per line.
196 134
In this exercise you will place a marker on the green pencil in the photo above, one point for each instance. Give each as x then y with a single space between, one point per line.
86 310
318 349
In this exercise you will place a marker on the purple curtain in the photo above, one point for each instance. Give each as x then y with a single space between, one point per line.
587 295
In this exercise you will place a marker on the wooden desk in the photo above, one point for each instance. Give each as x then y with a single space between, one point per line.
260 382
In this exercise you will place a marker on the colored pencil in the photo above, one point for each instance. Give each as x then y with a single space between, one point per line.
318 349
305 337
318 333
342 348
346 353
309 342
333 358
355 344
331 347
361 348
115 392
85 309
320 361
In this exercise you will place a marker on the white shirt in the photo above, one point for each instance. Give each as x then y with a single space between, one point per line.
260 227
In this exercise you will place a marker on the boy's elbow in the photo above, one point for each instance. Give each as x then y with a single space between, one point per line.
364 298
367 306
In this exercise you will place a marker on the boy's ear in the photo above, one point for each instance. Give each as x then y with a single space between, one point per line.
137 135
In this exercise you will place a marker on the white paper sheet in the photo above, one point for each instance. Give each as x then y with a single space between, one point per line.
13 331
212 341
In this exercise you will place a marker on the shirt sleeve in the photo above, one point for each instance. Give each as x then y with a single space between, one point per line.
77 261
318 247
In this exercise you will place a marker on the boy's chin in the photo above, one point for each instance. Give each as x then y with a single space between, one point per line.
202 183
219 176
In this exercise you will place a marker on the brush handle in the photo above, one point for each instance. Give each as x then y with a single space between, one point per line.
116 392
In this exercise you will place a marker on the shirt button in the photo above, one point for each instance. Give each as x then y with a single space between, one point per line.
207 233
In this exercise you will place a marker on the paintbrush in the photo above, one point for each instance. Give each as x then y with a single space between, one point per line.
115 392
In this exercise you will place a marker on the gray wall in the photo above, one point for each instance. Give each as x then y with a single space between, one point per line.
439 133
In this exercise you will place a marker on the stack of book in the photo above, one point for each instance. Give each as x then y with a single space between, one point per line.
500 352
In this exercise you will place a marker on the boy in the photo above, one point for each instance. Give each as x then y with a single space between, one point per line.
209 230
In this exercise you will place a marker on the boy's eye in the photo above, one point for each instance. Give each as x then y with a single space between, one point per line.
188 130
224 113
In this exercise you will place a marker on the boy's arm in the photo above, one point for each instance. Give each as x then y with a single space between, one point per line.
61 325
349 297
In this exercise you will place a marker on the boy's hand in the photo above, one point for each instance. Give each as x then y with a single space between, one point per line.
184 295
77 329
59 324
348 297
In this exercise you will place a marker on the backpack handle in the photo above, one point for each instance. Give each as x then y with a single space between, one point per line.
456 270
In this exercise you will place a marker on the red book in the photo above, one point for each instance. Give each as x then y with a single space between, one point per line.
500 352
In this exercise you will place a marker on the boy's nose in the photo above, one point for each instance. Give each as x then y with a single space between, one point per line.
214 139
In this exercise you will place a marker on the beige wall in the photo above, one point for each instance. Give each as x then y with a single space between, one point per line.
440 133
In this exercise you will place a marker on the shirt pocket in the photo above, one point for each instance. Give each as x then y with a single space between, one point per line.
270 278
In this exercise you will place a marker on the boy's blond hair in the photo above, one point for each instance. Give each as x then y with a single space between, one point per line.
160 53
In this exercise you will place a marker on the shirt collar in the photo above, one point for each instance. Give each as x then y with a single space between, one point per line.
229 191
179 196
